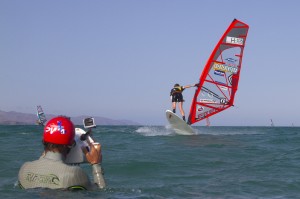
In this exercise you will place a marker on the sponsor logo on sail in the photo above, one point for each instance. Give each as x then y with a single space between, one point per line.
235 40
220 73
223 101
223 88
207 101
200 109
225 68
231 60
230 79
221 83
203 115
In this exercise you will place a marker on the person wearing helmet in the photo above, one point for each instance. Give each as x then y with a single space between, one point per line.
50 171
177 97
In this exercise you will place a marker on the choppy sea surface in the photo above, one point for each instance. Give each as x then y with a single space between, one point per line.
153 162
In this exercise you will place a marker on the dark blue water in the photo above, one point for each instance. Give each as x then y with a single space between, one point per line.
152 162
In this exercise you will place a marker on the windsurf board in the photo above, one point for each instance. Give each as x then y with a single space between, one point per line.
179 125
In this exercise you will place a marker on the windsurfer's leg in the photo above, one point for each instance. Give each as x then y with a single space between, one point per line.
181 110
174 107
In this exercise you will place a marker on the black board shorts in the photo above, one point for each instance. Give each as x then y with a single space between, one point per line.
177 97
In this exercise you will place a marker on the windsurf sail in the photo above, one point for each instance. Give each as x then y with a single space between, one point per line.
41 116
218 82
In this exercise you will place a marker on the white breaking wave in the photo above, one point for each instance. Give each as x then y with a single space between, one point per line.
216 131
154 131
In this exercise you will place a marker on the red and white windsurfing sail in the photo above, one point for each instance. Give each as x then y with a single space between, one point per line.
219 80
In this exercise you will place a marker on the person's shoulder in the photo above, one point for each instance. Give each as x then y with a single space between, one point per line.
24 165
28 163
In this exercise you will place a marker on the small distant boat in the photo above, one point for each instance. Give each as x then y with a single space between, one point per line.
272 123
41 116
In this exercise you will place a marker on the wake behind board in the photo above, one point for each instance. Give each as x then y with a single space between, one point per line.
178 125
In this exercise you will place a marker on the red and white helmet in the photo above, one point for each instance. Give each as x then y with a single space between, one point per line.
59 130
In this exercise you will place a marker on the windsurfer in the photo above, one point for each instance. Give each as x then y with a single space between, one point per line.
177 97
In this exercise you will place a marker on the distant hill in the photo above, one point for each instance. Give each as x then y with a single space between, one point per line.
16 118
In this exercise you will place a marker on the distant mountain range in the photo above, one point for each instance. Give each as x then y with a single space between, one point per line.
16 118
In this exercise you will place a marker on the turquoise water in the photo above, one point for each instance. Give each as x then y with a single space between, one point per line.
152 162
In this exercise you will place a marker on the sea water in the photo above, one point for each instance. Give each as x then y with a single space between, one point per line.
153 162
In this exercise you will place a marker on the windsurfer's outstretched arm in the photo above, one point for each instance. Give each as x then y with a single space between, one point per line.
189 86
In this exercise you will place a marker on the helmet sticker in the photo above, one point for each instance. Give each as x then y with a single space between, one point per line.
61 128
53 128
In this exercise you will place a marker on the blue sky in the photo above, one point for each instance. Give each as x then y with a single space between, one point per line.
119 59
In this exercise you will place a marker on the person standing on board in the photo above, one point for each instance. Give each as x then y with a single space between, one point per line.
177 97
50 171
